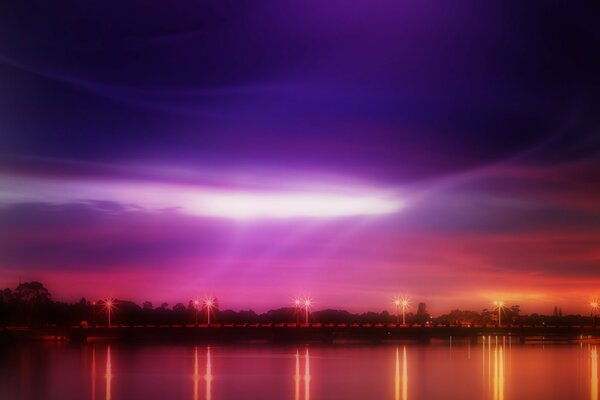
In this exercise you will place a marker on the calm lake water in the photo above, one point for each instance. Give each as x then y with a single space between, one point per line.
433 371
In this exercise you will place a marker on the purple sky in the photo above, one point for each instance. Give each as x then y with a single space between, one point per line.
347 150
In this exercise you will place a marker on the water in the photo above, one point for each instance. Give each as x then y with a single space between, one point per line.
488 370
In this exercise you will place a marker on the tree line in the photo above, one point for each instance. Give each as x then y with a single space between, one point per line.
31 304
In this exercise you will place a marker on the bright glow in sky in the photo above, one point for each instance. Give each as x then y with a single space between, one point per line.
385 149
207 202
290 205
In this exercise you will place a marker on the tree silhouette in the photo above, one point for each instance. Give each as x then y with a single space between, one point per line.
32 299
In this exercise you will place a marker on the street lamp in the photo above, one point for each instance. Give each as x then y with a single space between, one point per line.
499 305
208 303
404 304
594 306
307 304
109 305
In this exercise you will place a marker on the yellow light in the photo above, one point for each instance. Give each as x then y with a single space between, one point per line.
594 374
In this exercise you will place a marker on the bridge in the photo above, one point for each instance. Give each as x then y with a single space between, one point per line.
299 333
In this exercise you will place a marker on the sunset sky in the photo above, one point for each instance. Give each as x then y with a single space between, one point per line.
261 150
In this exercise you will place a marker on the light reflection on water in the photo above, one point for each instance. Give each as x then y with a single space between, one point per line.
494 370
196 374
209 375
307 376
298 377
594 373
93 372
398 381
109 375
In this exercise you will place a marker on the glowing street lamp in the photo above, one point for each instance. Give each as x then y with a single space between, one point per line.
307 304
401 303
109 305
499 306
404 304
594 304
208 304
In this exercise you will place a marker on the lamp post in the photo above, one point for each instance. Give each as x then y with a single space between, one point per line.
499 305
109 304
404 308
208 303
594 306
307 304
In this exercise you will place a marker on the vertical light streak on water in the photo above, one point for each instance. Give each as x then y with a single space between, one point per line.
93 372
397 376
209 375
109 375
509 354
469 349
495 388
489 358
307 376
196 373
404 376
594 374
501 374
483 356
297 377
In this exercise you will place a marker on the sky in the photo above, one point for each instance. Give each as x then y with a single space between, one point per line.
344 150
